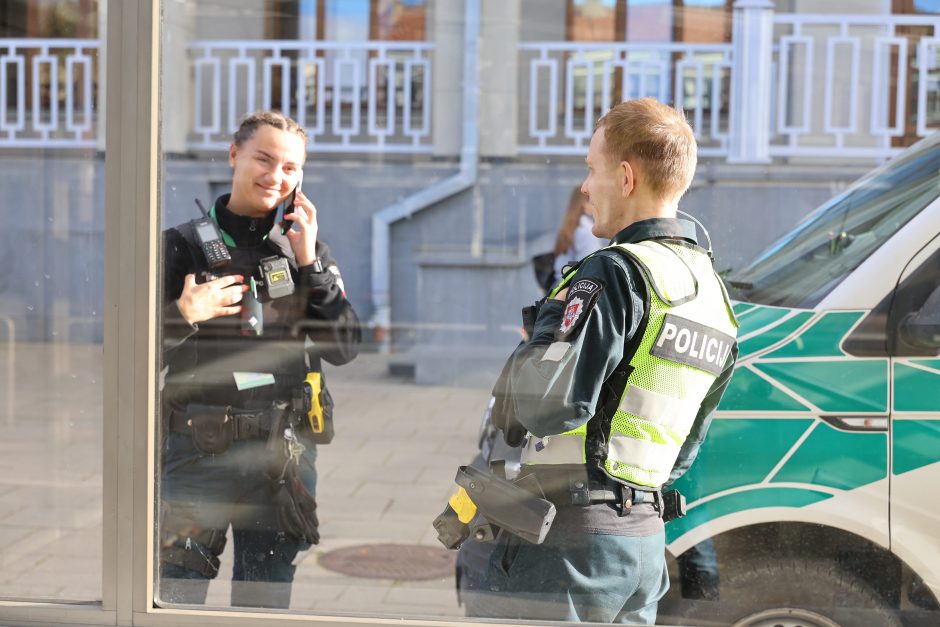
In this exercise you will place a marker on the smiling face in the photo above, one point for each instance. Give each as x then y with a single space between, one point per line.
266 168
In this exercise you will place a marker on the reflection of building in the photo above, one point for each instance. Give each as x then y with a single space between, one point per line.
382 75
385 84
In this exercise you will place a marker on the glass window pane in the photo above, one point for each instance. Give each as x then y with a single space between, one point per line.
443 145
51 294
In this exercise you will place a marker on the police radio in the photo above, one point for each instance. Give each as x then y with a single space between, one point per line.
210 240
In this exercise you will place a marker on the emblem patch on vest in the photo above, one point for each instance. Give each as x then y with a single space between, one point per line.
693 344
582 295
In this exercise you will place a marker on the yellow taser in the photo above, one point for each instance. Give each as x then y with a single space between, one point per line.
314 385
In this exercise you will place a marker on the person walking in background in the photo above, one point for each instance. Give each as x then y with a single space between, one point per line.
575 240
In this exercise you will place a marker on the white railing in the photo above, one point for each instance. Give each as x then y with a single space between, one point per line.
843 85
585 80
49 92
328 87
846 86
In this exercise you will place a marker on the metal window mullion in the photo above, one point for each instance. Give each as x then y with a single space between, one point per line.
131 162
129 344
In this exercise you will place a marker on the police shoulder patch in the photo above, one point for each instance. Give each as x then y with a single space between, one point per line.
582 294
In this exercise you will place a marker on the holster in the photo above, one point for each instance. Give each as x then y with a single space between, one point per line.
529 315
506 505
314 400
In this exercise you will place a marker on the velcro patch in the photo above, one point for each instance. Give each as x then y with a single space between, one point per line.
693 344
582 294
556 351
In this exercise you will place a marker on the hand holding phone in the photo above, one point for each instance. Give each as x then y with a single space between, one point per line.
289 204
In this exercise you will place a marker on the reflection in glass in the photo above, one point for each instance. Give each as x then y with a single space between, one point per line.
51 291
379 87
253 303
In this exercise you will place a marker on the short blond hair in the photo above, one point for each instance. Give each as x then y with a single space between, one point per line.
657 135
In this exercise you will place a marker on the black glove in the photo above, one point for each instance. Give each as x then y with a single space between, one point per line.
295 507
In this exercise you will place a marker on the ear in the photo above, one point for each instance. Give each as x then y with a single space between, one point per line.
232 151
628 178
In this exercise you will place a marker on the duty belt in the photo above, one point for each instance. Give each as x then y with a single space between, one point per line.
249 424
624 495
572 486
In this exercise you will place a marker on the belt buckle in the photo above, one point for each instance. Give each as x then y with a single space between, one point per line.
626 500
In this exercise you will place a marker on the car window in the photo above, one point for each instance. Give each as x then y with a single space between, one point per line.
802 267
910 297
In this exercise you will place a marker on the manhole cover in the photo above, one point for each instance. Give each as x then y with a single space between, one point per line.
390 561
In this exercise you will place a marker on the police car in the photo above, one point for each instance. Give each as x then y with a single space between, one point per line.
820 477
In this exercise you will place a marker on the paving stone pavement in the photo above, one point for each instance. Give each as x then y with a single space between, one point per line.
384 478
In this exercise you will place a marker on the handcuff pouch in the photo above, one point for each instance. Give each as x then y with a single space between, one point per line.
213 429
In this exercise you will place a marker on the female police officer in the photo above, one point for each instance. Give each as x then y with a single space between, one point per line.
243 398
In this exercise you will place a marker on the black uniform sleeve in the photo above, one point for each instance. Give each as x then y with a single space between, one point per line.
331 323
703 419
557 377
177 263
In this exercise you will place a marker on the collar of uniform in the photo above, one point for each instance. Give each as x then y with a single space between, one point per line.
244 230
656 227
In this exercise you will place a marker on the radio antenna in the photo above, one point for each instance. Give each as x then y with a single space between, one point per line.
708 237
203 209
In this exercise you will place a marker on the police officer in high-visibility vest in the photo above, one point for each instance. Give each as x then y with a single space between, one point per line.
613 394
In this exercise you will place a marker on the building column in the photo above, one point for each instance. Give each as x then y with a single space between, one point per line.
176 83
751 40
499 80
446 31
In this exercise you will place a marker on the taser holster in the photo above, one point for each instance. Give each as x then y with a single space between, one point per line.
502 504
318 406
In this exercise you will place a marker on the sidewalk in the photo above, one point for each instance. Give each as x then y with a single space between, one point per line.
384 478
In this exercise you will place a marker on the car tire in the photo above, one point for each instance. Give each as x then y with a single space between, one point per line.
803 593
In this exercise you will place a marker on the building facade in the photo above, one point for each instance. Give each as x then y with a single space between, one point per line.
442 169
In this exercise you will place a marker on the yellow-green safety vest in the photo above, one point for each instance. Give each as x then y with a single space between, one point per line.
689 333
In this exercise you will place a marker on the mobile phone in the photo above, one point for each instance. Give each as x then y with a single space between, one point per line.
210 240
289 205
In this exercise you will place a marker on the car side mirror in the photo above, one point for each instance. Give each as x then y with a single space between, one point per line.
922 328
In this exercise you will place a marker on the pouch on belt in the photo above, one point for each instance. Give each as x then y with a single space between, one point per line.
213 428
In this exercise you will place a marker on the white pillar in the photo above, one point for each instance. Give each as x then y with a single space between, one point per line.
499 78
179 22
751 39
446 32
